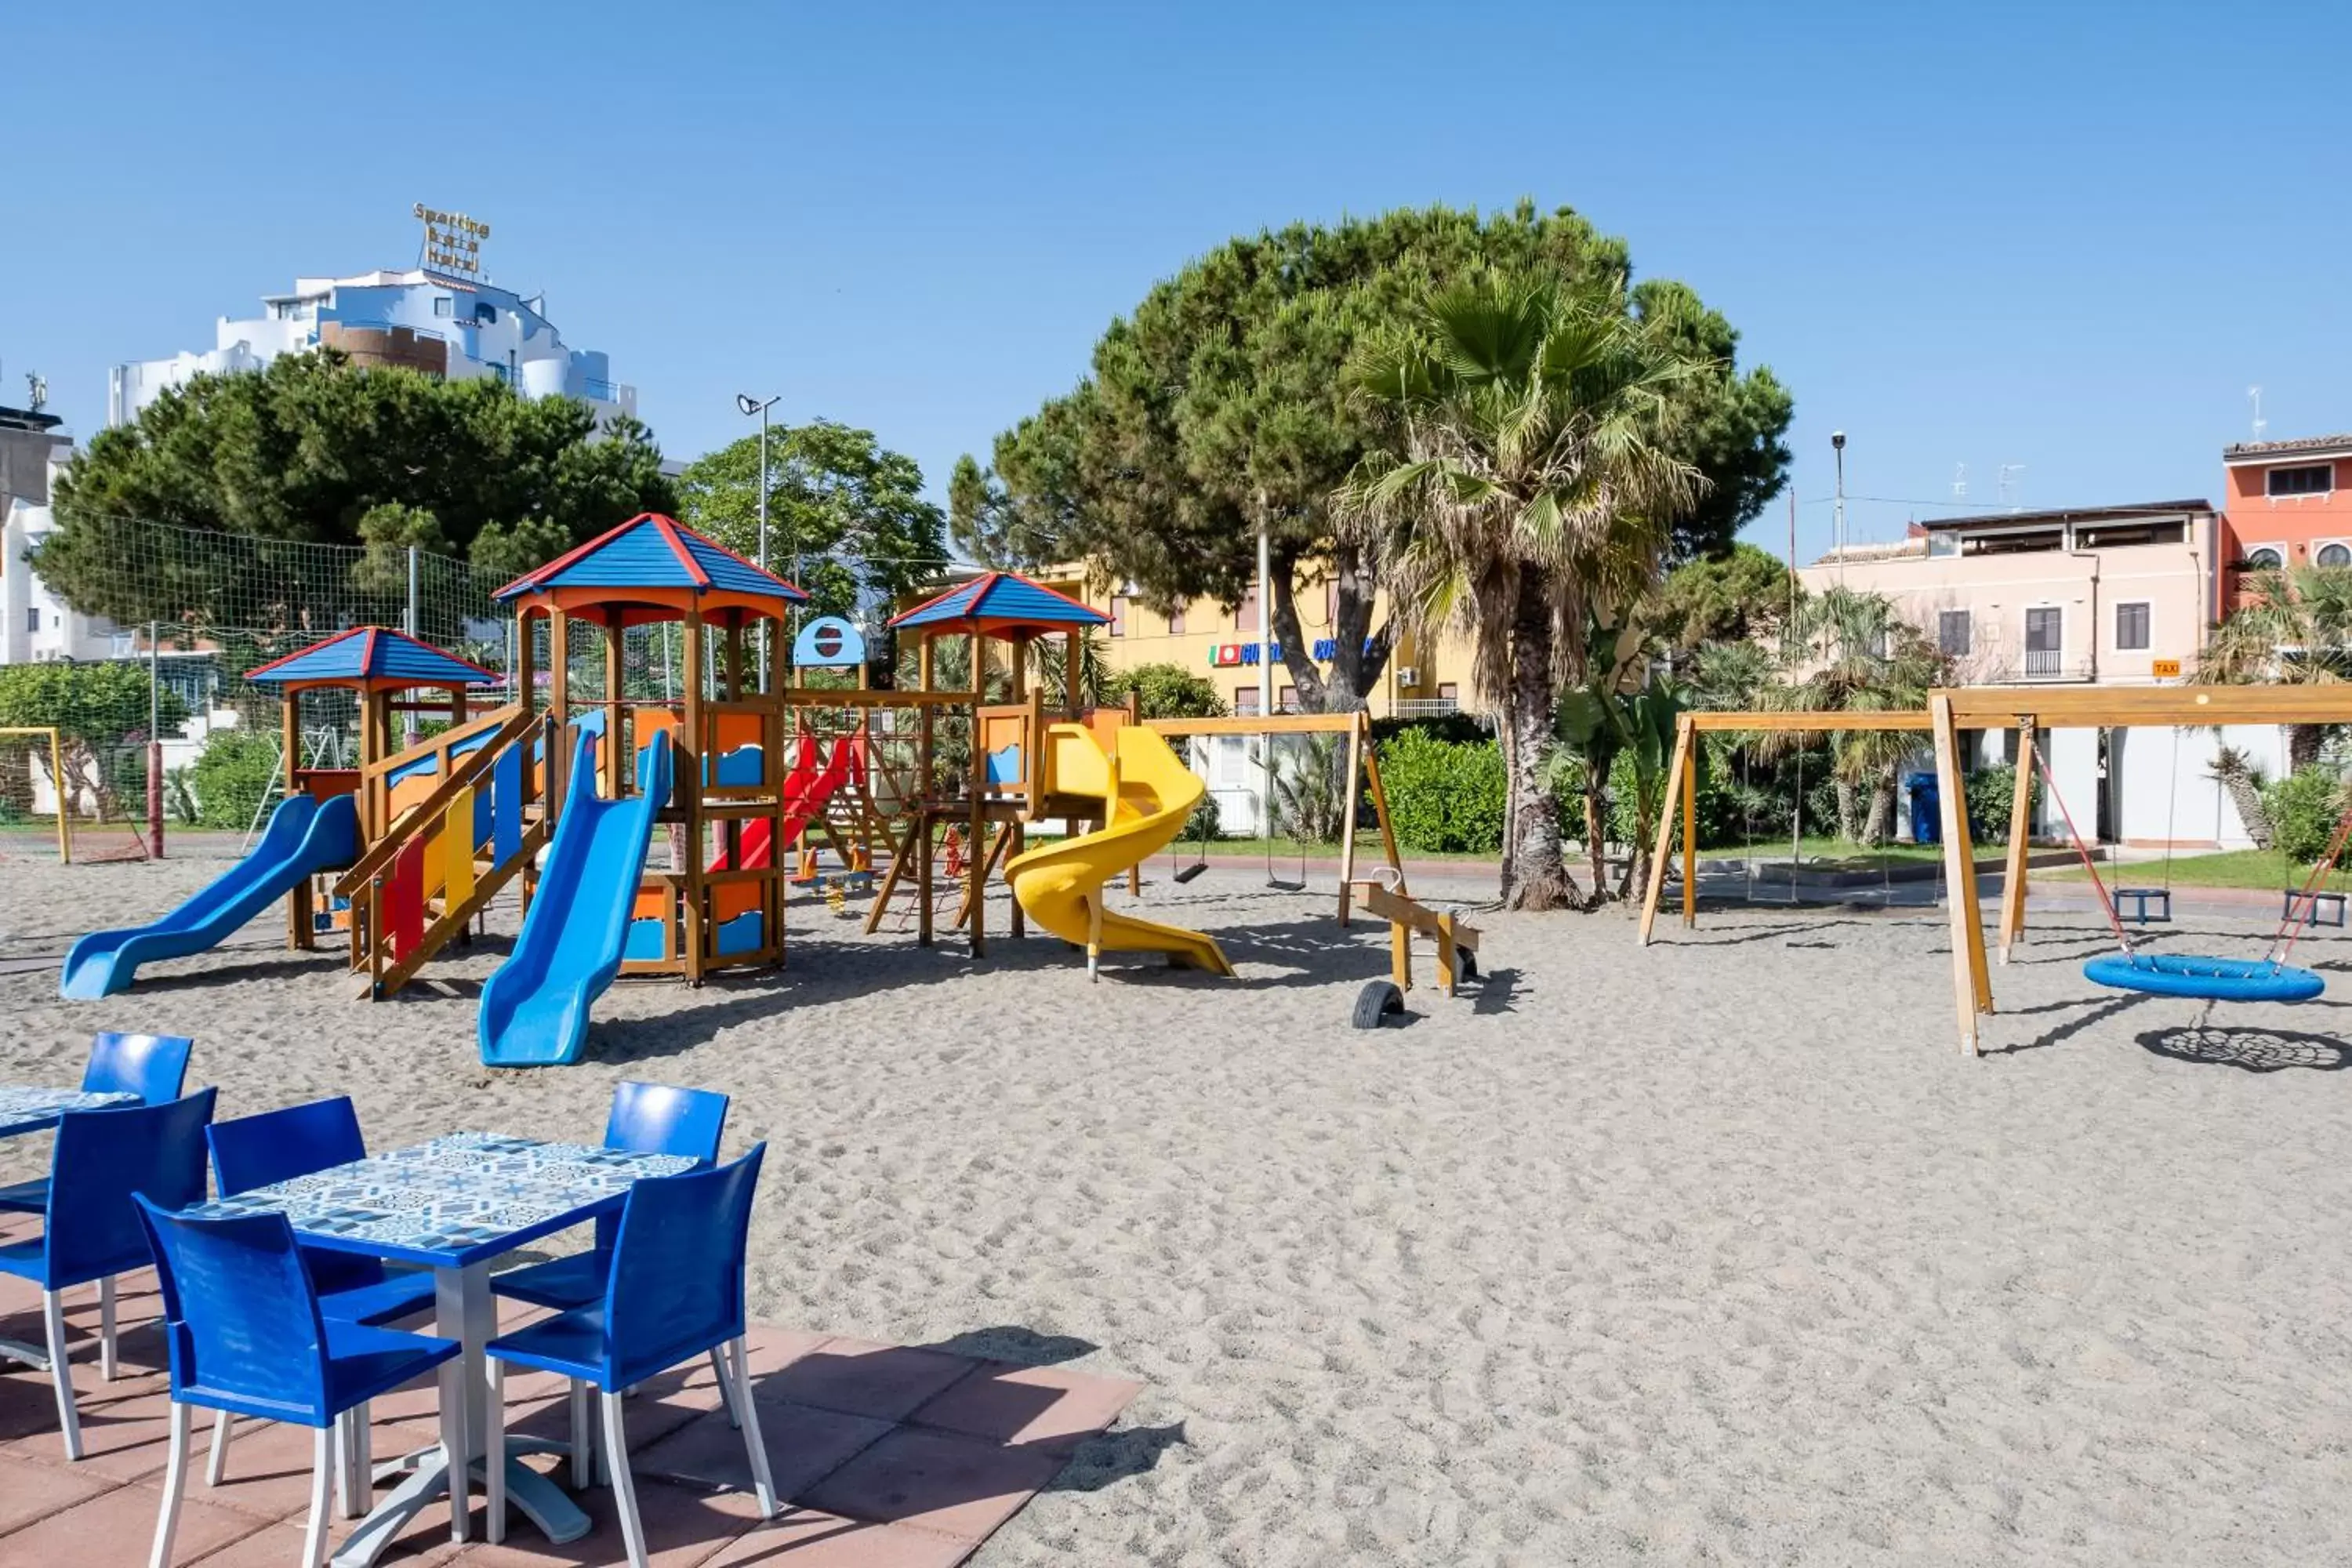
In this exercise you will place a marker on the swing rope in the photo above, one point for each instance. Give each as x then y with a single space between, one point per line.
2115 922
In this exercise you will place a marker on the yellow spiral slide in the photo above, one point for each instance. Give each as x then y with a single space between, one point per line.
1147 792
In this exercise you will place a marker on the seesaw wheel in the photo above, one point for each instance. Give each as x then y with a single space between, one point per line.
1378 1001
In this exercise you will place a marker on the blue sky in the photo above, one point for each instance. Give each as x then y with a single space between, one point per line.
2068 237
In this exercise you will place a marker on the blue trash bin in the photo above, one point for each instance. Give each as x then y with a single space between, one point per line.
1927 808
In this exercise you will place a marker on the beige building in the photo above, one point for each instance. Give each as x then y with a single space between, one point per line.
2114 595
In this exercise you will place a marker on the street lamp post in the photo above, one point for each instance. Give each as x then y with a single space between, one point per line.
1837 447
750 405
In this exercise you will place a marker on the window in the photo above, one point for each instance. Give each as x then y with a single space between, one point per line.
2044 641
2131 628
1286 700
1449 693
2311 479
440 304
1119 615
2335 553
1176 622
1245 612
1952 634
486 313
33 619
2265 558
1245 700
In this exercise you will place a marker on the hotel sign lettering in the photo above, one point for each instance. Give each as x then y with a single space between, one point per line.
453 242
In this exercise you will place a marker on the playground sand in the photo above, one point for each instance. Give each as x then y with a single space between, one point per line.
1715 1253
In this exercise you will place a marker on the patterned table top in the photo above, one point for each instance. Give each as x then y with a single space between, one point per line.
462 1198
28 1108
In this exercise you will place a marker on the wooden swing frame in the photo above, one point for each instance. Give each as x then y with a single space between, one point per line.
2027 710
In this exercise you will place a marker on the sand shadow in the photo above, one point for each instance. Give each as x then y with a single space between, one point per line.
2100 1010
2250 1050
1494 992
1012 1342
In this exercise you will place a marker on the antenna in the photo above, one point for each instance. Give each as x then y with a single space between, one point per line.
1960 481
2009 484
2254 395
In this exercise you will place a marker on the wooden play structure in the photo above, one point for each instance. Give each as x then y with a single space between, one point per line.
393 678
2029 710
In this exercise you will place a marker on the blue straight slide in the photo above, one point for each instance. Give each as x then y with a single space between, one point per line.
303 838
535 1008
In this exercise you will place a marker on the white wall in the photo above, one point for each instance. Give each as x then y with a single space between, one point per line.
2164 784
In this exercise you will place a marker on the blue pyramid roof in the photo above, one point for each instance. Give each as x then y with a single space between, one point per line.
650 551
1001 601
374 653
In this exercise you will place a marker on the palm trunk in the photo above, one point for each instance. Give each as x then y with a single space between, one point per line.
2303 744
1876 827
1849 810
1534 869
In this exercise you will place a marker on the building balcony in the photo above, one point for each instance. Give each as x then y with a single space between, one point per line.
1425 708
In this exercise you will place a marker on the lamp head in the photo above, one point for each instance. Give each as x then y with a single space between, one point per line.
750 404
1837 441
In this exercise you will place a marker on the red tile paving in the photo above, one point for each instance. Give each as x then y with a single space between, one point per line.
886 1456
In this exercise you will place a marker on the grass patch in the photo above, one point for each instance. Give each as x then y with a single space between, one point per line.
2263 868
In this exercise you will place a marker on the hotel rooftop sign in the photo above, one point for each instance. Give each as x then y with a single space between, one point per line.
453 242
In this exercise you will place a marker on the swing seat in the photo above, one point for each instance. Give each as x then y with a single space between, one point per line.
2205 979
2144 906
2315 909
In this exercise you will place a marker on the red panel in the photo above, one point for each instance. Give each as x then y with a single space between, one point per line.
404 900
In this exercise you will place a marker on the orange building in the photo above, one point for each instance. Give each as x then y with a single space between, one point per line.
2289 503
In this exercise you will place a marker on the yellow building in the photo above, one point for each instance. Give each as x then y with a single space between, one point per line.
1222 645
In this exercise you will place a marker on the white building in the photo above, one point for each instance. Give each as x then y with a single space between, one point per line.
455 327
35 625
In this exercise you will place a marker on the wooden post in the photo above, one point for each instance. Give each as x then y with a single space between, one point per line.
1690 837
976 863
923 858
559 702
298 935
616 772
526 675
1380 810
1355 792
772 727
686 766
1073 665
1686 732
2021 823
1970 995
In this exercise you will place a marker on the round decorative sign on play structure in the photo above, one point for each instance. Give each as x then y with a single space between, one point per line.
829 642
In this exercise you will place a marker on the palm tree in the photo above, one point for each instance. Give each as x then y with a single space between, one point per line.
2290 628
1534 495
1849 651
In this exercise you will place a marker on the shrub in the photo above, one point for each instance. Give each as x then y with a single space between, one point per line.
1164 691
1207 822
2304 807
1991 791
233 776
1443 796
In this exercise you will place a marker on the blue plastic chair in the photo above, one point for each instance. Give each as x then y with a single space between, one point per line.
90 1229
278 1146
645 1119
247 1336
151 1066
675 1292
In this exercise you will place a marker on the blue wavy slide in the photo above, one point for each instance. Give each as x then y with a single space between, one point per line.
303 838
535 1008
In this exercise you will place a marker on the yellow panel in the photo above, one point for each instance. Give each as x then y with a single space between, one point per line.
457 847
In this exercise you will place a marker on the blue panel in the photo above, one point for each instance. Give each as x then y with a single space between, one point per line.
740 934
506 813
1005 766
645 943
742 768
640 558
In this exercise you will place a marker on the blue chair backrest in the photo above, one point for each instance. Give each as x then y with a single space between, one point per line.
241 1314
151 1066
101 1159
277 1145
657 1118
676 1287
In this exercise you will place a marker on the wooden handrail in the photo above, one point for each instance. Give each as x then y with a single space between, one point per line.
433 745
472 766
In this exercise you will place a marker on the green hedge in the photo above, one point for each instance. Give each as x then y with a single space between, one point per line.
1443 796
2304 807
1990 791
233 774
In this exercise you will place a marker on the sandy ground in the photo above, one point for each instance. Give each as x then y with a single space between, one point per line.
1717 1252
